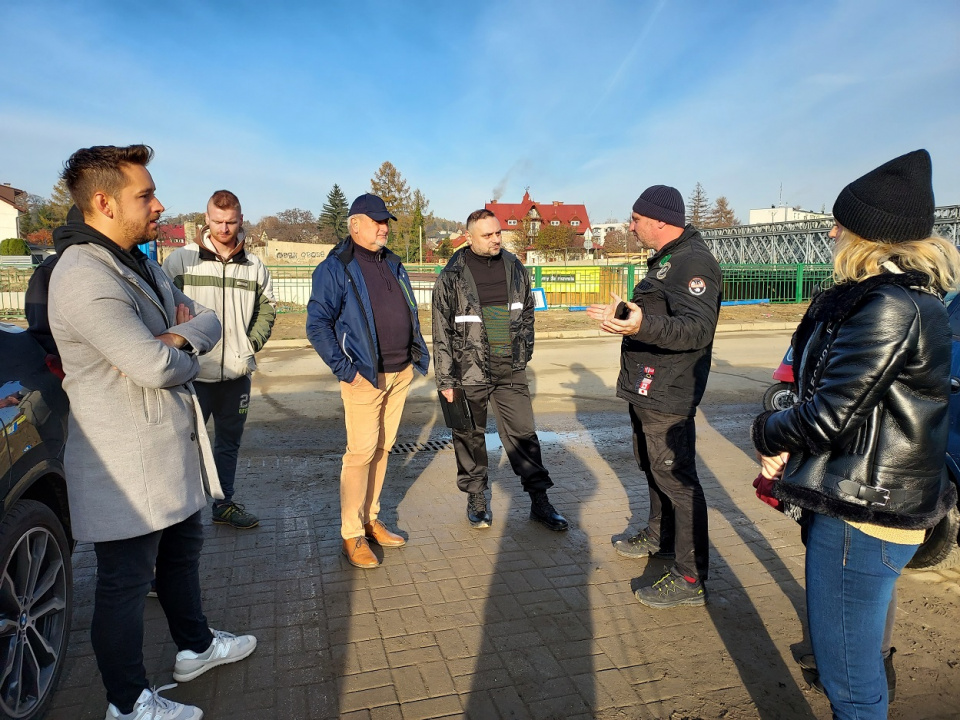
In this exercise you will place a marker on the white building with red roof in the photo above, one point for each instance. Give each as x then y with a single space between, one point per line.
522 221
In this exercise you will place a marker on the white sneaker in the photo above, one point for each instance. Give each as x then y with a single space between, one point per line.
150 706
225 648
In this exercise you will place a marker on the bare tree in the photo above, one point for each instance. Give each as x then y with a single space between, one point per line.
721 215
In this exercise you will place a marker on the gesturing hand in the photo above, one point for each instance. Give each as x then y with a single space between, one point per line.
607 315
603 313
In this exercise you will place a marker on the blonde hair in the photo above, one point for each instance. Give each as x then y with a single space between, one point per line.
856 258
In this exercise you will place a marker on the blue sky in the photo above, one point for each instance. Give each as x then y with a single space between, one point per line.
582 102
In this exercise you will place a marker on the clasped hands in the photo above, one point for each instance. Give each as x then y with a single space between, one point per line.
168 338
172 339
607 315
771 468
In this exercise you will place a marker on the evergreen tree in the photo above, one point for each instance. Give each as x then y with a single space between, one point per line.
697 206
14 246
444 249
418 221
333 217
390 186
53 213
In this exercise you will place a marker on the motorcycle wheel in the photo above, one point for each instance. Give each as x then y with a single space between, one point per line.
781 396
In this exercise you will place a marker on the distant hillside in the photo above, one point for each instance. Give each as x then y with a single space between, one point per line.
436 224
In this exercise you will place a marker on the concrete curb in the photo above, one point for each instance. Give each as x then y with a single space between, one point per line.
575 334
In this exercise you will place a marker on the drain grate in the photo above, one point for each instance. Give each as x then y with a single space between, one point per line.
429 446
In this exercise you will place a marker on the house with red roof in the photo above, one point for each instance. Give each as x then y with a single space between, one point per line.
522 221
171 236
456 243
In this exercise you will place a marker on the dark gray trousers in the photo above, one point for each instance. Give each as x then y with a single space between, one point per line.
514 413
665 447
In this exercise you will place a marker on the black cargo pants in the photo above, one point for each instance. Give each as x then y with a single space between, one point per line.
665 448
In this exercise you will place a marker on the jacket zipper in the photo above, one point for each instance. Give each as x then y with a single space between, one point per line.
223 306
373 350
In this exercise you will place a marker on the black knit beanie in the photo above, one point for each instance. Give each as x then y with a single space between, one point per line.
893 203
661 202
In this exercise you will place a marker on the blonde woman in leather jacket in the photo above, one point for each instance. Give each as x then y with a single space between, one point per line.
861 455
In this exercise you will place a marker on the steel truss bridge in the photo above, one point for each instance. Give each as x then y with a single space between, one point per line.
801 242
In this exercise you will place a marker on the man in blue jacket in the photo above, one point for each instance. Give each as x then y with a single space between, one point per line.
362 320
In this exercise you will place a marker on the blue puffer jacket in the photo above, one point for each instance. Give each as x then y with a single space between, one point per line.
340 322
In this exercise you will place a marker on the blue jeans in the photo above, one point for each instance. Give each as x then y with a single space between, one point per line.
850 580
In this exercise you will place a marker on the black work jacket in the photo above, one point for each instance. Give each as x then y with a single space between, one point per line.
867 439
461 351
664 366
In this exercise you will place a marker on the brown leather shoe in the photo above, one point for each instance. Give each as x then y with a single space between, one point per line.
358 553
378 532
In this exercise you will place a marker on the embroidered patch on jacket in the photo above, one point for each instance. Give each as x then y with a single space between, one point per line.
662 272
697 286
643 387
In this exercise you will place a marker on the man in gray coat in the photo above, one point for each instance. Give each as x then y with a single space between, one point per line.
137 458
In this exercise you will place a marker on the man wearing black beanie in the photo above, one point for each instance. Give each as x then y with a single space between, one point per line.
665 359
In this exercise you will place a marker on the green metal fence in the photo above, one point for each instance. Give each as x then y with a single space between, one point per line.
578 285
565 286
13 283
776 283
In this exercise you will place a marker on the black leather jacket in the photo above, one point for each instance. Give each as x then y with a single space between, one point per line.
461 353
868 438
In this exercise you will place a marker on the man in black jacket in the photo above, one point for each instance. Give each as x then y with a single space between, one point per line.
665 359
482 341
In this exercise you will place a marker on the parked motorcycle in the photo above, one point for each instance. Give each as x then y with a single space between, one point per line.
783 394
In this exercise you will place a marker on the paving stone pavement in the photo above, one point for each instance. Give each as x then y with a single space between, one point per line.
513 621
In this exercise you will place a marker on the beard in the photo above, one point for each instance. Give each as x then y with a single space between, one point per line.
136 232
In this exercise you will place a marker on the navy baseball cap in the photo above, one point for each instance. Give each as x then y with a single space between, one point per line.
371 206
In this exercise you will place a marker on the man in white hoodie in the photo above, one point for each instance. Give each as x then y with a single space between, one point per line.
218 273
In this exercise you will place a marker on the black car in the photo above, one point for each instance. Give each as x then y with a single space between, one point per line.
36 578
940 549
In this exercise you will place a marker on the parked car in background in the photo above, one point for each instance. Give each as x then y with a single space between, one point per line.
36 578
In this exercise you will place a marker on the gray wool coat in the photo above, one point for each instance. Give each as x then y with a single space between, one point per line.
137 457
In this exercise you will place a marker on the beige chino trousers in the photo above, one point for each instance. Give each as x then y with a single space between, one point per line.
372 416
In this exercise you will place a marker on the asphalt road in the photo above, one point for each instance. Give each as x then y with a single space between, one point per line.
573 383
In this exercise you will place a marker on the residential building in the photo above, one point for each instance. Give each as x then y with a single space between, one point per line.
522 221
11 199
779 213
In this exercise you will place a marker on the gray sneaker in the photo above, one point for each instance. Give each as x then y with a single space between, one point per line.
672 590
234 515
224 649
641 545
150 706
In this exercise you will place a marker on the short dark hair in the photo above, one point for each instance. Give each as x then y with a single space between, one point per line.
225 200
476 215
97 168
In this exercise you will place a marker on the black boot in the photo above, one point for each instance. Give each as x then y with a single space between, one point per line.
478 514
543 512
891 676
